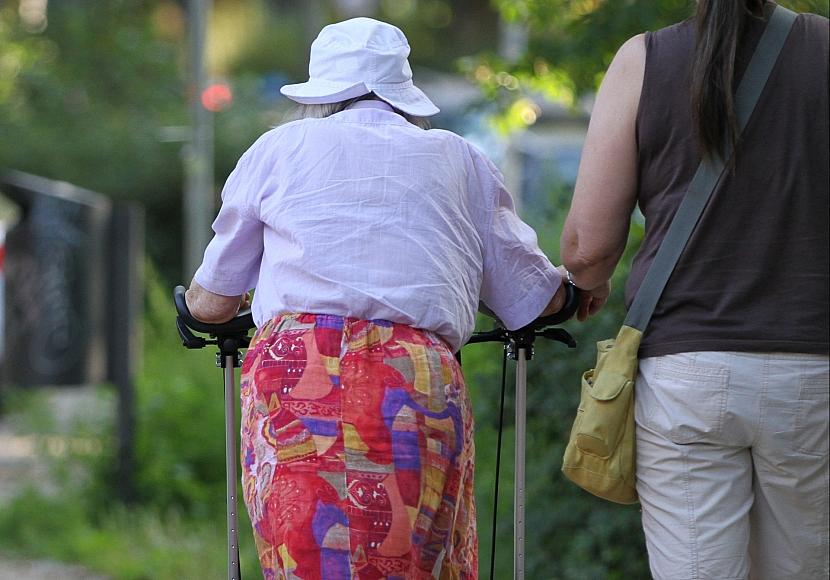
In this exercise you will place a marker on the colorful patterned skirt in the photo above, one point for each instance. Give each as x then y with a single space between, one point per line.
357 451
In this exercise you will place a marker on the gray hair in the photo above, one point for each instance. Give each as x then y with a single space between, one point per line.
323 110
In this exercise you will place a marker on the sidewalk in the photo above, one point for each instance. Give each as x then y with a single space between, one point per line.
21 463
42 570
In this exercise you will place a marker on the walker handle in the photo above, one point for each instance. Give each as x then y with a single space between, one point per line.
542 326
566 313
238 325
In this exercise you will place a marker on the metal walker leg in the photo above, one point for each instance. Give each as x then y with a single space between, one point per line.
519 347
519 461
230 337
231 463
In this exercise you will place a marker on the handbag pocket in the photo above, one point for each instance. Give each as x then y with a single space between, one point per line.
604 406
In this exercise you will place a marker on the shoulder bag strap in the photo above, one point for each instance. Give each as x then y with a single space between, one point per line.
709 172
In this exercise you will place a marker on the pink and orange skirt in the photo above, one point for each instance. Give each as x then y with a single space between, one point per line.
357 451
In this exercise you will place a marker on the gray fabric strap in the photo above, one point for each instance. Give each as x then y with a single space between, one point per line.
709 172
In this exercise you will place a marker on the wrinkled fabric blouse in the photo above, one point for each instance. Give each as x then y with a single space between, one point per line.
362 214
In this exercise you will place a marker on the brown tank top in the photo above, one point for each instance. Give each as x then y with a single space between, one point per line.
754 274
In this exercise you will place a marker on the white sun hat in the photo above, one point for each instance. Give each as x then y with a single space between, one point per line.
355 57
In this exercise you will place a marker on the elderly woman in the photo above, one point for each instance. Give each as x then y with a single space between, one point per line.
370 242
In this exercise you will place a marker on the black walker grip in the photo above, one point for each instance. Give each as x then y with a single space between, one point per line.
565 313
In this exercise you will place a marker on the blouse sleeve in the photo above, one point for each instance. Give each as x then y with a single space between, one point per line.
519 280
232 259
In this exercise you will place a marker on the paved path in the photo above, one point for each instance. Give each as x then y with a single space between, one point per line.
22 462
12 569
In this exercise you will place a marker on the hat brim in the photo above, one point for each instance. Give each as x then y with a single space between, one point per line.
321 92
409 99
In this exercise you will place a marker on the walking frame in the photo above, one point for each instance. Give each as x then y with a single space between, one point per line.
232 336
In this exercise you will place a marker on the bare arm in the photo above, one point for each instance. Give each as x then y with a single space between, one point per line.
212 308
596 229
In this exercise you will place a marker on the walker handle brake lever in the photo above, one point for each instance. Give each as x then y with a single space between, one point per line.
236 328
189 340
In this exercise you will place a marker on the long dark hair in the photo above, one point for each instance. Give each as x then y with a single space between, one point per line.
719 28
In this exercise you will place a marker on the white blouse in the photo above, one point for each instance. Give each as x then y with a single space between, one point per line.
362 214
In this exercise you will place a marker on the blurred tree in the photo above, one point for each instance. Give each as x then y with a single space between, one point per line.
86 97
570 43
262 36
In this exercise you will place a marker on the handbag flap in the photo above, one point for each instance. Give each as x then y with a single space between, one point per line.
616 364
608 385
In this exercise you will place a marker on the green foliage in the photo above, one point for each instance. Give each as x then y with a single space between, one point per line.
277 35
124 544
572 42
87 108
86 99
98 98
180 434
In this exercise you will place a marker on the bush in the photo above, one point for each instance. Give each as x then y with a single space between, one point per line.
176 528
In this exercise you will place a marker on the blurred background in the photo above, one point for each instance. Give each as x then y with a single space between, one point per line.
119 122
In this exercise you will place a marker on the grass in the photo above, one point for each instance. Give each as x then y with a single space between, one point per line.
123 543
69 520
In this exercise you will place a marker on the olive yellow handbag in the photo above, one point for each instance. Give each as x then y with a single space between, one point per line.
600 455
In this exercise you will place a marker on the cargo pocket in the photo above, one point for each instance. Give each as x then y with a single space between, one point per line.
687 402
811 428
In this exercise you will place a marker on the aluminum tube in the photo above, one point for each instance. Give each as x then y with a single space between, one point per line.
519 468
231 470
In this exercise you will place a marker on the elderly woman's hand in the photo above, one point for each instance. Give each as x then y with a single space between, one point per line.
558 300
245 301
211 308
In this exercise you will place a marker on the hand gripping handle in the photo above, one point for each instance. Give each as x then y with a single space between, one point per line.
565 313
238 325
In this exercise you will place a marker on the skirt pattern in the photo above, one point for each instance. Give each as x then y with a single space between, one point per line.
357 451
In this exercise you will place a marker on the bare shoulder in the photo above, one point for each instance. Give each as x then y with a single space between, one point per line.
634 46
623 81
630 58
